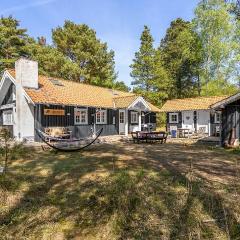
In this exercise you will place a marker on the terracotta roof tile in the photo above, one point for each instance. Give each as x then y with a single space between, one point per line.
79 94
198 103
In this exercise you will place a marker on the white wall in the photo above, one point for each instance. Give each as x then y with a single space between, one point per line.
203 117
26 76
24 115
187 120
27 73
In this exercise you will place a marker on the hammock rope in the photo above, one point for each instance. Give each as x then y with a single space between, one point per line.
59 145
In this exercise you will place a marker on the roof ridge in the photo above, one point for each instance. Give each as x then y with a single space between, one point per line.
68 80
133 95
199 97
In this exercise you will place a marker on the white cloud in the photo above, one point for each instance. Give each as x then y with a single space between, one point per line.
13 9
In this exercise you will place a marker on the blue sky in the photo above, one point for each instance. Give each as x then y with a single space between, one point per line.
117 22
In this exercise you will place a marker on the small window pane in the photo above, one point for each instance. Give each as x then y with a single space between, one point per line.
80 116
101 117
134 117
121 117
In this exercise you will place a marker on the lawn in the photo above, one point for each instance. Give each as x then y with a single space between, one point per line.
122 191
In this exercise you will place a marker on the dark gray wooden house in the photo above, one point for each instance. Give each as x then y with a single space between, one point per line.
29 101
230 120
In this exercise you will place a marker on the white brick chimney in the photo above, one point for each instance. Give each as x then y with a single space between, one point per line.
26 72
26 76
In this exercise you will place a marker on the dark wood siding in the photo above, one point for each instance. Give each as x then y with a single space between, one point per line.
9 95
179 124
91 112
230 123
57 121
67 120
117 120
195 120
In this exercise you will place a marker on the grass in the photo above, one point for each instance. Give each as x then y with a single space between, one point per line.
115 192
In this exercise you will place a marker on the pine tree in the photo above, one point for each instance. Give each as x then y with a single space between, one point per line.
181 53
79 43
143 64
51 62
12 40
161 83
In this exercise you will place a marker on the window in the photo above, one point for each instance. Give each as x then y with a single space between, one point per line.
134 117
81 116
217 117
121 117
101 117
7 118
173 118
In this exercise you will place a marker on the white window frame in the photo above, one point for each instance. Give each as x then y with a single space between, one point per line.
170 117
7 118
215 117
134 117
78 118
100 120
121 117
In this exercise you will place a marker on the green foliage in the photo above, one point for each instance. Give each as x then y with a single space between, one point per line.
182 55
194 58
52 62
216 28
79 43
150 77
77 54
120 85
143 63
12 40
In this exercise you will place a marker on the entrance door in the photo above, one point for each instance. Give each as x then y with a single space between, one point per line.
121 121
188 121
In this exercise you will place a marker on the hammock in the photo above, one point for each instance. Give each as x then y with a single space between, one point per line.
68 145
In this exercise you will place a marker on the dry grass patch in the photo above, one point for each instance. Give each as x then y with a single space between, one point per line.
118 192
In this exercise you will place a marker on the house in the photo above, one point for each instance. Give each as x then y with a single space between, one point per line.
230 121
29 101
194 114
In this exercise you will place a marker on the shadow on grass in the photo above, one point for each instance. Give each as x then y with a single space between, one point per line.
110 192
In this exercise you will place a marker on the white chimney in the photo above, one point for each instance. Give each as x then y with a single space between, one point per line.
26 73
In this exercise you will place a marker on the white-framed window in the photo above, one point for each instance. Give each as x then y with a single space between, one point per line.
217 117
134 117
80 116
7 118
121 117
101 117
173 117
